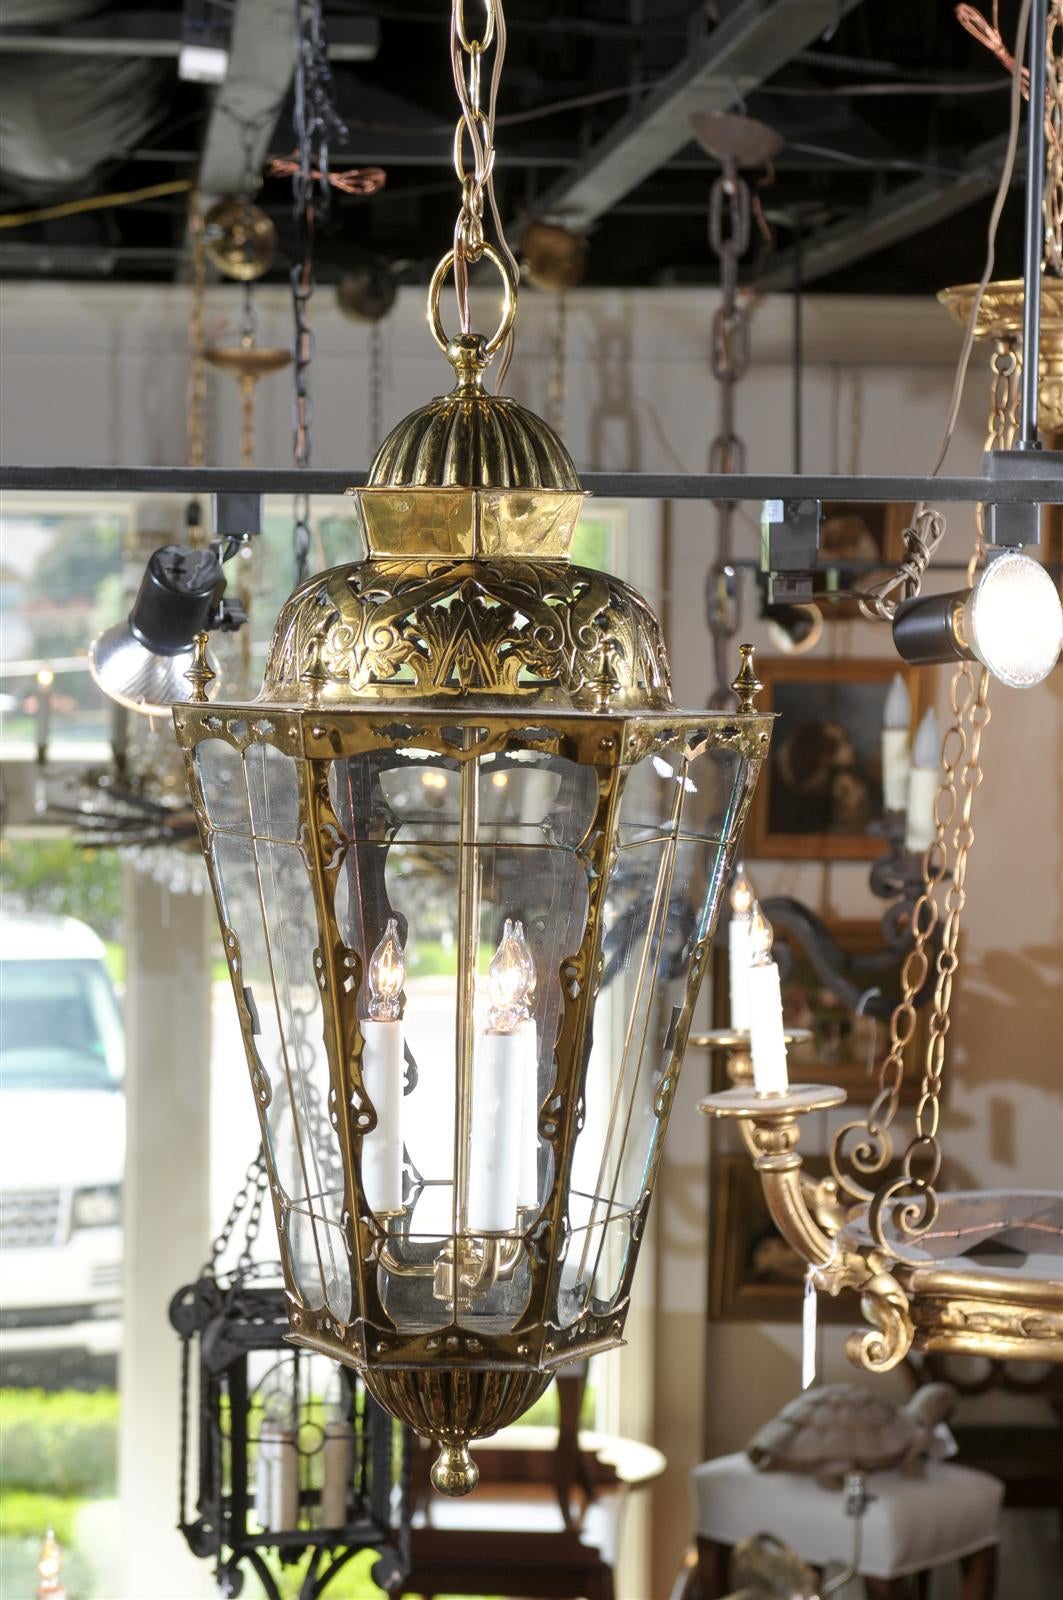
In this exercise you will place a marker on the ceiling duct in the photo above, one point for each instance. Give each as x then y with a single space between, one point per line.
63 117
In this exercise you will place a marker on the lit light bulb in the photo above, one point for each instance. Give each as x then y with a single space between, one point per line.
510 979
387 975
743 895
1013 619
760 936
45 678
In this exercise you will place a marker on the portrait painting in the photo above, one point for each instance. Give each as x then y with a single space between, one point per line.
820 792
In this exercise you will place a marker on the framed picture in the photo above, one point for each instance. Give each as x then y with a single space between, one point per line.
844 1049
754 1276
821 786
852 534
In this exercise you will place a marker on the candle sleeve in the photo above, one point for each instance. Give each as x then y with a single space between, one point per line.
922 793
896 767
528 1189
738 972
497 1117
767 1033
383 1072
339 1469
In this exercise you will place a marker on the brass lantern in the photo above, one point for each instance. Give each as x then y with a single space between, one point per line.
467 858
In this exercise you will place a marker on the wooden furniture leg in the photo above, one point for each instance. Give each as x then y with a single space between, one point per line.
979 1574
712 1568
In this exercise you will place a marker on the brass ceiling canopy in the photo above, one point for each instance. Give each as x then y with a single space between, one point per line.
1000 319
240 239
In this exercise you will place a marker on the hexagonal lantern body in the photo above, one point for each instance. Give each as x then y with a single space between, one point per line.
467 859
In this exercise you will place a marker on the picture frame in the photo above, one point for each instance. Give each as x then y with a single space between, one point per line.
845 1049
754 1275
859 542
820 789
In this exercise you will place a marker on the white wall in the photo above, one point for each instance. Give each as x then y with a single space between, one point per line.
94 373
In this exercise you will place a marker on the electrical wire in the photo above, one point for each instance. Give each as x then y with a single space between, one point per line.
1022 29
96 202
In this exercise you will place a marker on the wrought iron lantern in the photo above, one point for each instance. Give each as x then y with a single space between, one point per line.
290 1457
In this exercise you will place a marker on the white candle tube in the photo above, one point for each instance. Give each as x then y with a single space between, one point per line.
267 1454
339 1468
896 766
739 958
922 792
45 680
383 1072
528 1185
283 1475
497 1116
766 1031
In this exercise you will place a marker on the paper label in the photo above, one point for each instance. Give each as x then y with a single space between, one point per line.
809 1310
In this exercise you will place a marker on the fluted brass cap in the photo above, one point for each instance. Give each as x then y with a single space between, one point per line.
471 474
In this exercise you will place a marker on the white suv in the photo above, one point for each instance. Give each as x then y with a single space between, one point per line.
62 1141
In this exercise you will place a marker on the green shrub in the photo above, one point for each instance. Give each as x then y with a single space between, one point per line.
29 1516
64 1443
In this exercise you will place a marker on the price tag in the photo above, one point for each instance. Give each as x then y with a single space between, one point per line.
809 1309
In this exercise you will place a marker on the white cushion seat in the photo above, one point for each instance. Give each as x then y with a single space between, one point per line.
911 1524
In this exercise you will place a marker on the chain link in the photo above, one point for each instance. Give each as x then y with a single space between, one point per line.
1053 202
376 388
316 123
730 210
475 134
555 384
196 394
250 1193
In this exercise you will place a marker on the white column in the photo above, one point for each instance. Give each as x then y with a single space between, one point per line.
167 1216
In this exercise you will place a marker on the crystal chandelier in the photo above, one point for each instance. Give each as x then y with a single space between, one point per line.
421 837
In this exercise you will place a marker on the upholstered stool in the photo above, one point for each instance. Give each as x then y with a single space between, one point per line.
912 1524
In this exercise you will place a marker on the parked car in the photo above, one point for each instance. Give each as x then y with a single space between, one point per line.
62 1142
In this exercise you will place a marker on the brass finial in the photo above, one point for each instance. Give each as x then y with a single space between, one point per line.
747 685
200 674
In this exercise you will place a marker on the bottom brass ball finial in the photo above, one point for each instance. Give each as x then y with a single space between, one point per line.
454 1471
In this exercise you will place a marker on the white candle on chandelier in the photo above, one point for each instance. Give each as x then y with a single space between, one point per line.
896 750
743 900
767 1034
528 1033
339 1469
499 1097
383 1073
45 684
277 1490
923 784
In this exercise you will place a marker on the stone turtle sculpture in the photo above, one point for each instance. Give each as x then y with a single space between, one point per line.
846 1427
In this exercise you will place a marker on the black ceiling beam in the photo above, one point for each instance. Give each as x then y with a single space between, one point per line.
891 218
750 45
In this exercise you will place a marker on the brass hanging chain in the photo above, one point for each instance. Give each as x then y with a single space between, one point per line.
1053 202
873 1148
908 1206
730 211
555 387
376 387
475 135
196 392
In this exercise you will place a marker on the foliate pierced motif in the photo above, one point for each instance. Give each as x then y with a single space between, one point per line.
542 632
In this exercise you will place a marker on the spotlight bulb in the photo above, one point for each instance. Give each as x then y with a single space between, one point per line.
1014 620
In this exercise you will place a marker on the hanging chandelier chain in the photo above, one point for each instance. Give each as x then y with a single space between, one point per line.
730 210
316 123
250 1194
1053 201
196 395
474 135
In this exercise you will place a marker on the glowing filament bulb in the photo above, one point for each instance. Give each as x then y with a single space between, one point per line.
387 975
510 979
48 1566
760 937
743 898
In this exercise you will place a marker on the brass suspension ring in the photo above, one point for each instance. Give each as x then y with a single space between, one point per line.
509 300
